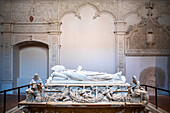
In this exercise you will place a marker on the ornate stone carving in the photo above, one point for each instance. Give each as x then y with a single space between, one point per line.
74 7
31 29
34 93
87 92
32 8
135 91
148 37
22 38
130 7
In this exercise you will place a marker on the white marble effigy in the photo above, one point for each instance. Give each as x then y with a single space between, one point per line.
61 75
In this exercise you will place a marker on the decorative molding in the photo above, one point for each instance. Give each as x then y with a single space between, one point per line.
101 8
23 38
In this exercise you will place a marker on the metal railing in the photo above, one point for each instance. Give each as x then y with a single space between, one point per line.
5 91
156 92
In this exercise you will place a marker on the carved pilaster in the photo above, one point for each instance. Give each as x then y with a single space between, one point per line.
56 43
7 60
120 34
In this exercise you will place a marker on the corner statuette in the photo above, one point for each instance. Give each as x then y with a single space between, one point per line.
35 92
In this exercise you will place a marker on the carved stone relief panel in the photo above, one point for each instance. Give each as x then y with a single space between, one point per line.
130 7
148 37
138 43
68 6
5 9
107 6
40 10
163 7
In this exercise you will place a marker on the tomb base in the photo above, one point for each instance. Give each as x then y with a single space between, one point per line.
70 107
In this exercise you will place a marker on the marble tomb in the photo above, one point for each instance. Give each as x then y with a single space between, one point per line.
80 91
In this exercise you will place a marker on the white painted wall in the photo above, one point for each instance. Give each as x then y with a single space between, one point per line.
33 59
88 42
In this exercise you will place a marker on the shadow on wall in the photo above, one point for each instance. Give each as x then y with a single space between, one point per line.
153 76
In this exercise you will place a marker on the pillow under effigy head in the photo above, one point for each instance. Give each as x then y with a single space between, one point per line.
58 68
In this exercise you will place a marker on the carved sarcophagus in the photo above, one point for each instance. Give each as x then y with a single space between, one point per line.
77 89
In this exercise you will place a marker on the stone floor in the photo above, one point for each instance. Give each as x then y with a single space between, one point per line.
12 101
163 101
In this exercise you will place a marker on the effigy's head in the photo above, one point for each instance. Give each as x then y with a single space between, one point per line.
36 76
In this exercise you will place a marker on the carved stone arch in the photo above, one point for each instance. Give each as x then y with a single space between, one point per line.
108 13
22 38
137 12
129 14
28 40
87 4
97 14
65 13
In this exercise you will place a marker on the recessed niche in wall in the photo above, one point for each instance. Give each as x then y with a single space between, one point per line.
88 42
29 57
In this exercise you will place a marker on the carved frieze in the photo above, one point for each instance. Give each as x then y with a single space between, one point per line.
109 7
86 93
22 38
40 10
31 28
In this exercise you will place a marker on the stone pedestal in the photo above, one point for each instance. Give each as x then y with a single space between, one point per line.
69 107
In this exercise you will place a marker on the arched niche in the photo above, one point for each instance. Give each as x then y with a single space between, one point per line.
30 57
88 41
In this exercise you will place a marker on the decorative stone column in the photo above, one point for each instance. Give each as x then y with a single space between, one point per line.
55 42
7 34
120 44
58 41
